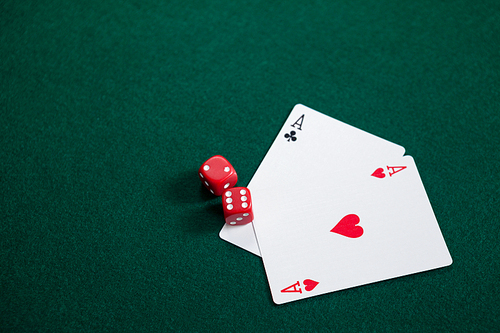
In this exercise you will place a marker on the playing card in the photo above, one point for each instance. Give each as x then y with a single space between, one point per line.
310 147
362 225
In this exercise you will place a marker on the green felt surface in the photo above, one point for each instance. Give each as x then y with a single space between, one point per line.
109 107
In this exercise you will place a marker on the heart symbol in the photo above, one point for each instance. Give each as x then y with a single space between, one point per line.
379 173
347 226
310 284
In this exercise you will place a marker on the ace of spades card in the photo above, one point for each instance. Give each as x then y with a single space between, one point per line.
336 207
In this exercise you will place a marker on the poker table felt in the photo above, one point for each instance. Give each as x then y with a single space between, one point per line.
108 108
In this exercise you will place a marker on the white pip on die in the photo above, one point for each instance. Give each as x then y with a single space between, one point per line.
237 205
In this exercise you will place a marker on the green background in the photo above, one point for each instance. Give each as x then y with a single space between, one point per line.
109 107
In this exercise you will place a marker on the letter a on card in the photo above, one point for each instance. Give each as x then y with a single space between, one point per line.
294 290
299 123
395 169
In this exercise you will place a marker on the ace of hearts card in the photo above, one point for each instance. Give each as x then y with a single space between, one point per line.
336 207
309 145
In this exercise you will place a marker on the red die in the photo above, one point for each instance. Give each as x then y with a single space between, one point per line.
237 204
217 174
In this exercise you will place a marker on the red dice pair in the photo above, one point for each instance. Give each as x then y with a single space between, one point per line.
219 177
